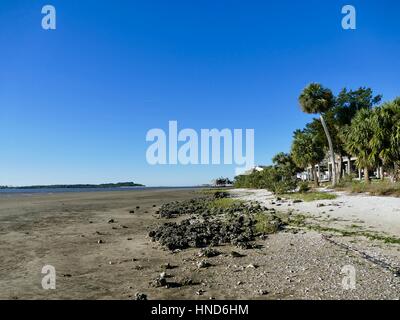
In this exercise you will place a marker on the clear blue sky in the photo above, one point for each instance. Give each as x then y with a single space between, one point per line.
76 103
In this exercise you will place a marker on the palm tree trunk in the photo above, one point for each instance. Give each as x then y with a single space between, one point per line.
340 175
366 175
392 173
316 180
332 155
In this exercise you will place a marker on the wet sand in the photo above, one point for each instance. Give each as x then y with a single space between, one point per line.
63 230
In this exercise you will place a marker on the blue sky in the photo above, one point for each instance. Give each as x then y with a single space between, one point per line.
76 102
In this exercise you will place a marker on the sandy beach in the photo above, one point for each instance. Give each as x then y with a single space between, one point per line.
63 230
380 214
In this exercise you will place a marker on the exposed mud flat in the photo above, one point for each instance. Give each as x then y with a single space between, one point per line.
64 230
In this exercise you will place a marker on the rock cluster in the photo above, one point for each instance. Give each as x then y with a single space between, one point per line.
198 233
210 225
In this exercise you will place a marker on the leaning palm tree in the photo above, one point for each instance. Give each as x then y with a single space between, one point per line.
315 99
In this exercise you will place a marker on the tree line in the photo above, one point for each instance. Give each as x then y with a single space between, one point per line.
355 123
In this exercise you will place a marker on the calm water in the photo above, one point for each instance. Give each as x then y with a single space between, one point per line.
60 190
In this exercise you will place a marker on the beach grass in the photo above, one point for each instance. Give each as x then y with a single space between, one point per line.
309 196
350 233
300 221
375 188
265 224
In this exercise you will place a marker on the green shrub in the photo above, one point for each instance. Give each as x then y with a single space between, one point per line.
271 178
304 187
267 223
278 178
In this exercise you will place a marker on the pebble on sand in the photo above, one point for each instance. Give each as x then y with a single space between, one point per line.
203 264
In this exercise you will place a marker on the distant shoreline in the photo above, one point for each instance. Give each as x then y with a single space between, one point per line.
77 186
47 191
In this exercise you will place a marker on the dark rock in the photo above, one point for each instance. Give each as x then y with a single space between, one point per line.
159 282
186 281
244 245
208 253
140 296
220 194
235 254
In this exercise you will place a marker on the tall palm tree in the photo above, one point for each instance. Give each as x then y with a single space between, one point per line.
315 99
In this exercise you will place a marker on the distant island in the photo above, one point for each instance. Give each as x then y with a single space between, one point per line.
71 186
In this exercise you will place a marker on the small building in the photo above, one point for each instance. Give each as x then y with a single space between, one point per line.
255 168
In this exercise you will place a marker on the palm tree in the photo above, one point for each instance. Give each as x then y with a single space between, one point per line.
359 141
386 139
285 164
306 150
347 104
315 99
